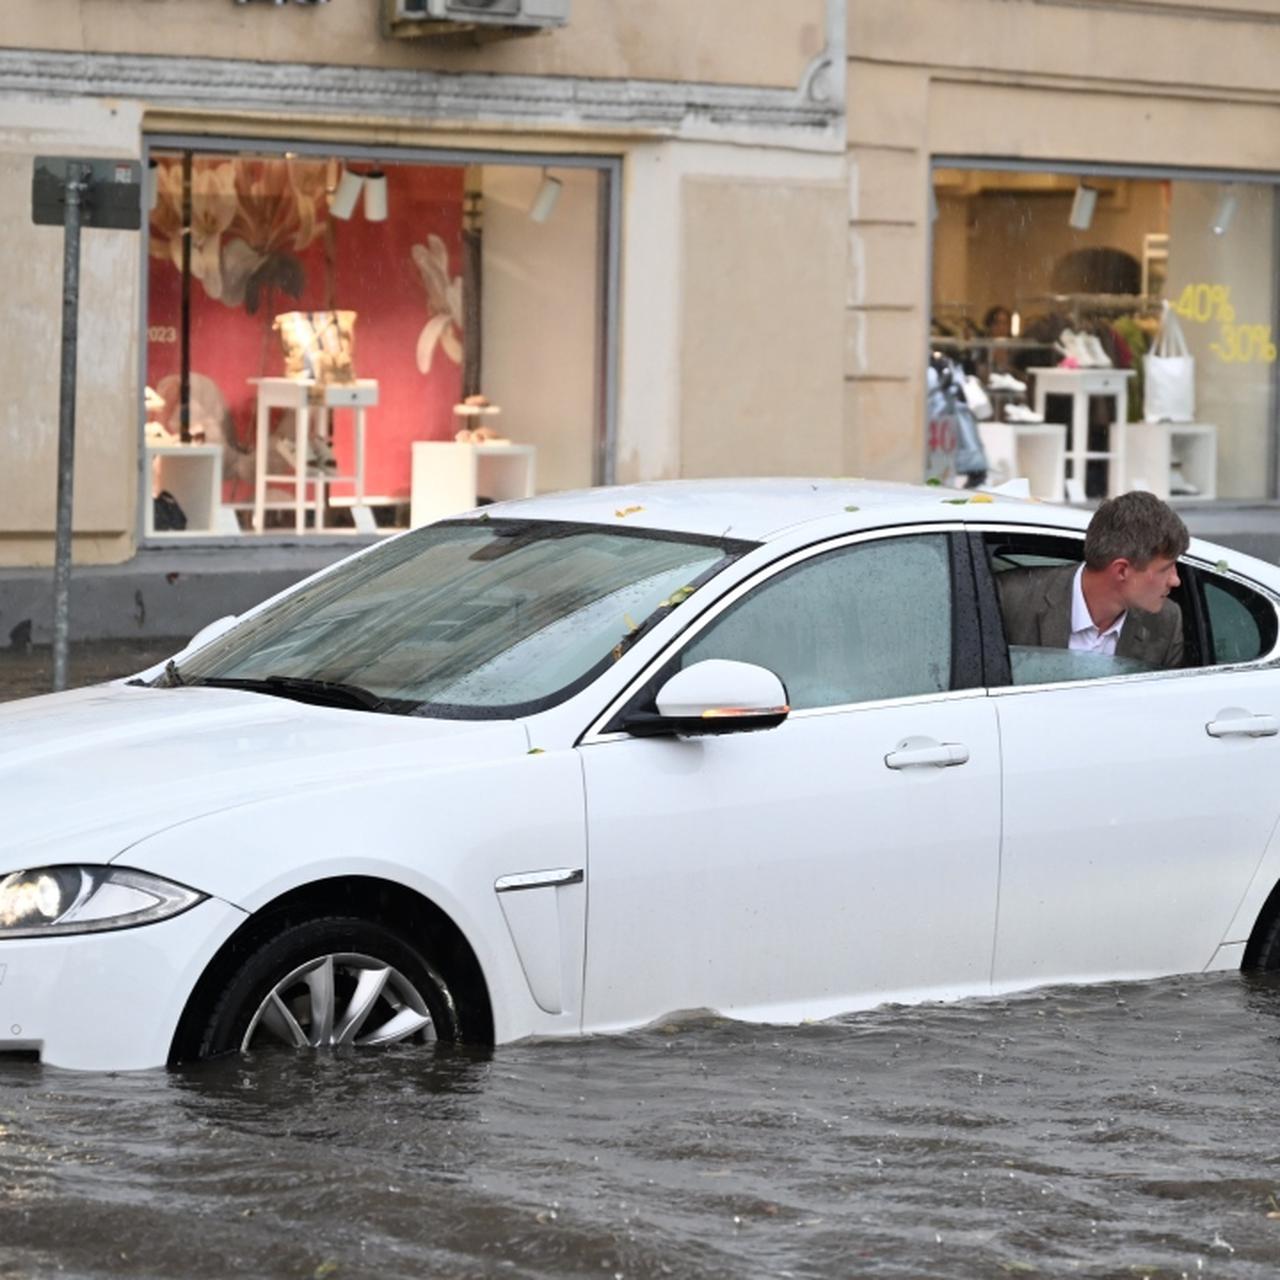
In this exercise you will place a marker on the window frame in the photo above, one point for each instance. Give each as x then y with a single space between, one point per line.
967 646
1193 569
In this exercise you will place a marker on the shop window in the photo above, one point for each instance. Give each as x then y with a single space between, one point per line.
1055 291
355 311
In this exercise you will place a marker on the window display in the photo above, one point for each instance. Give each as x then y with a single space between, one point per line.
1128 318
327 314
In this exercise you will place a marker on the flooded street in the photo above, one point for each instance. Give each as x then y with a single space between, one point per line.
1112 1131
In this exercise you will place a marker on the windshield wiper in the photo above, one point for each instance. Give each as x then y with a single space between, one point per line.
322 693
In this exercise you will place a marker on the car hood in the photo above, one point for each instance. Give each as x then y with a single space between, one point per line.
85 775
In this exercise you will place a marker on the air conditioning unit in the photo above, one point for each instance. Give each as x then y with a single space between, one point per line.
415 18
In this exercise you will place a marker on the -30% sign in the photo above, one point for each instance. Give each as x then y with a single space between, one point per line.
1239 343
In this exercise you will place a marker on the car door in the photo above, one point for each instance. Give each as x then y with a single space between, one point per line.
832 862
1136 806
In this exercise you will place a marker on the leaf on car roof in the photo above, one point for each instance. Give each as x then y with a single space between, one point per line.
632 624
678 596
933 482
853 508
1222 566
955 502
622 512
536 751
982 497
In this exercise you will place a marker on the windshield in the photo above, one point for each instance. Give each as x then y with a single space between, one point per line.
470 619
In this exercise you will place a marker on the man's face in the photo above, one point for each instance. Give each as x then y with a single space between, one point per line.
1146 588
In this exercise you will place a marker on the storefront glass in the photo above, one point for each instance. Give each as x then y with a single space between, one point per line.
330 313
1052 293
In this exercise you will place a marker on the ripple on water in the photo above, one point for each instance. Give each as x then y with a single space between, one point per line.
1116 1130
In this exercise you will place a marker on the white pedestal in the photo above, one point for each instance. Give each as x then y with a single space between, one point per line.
1083 385
1154 445
193 474
294 396
1034 451
448 477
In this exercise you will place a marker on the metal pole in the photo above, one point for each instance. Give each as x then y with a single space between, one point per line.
77 187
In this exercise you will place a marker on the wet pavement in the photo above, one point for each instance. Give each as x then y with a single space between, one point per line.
1113 1131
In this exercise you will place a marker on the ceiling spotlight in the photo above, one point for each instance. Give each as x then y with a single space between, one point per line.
545 201
1082 207
375 196
344 198
1225 212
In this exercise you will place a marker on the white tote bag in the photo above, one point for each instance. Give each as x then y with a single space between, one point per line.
1169 383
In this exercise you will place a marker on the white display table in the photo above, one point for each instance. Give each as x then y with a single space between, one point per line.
295 396
1034 451
1084 385
1153 446
193 474
448 476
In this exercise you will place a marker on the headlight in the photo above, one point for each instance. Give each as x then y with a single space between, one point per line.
58 900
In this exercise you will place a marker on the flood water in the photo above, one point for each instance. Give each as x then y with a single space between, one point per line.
1114 1131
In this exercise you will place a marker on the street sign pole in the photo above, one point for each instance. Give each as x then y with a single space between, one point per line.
76 187
72 194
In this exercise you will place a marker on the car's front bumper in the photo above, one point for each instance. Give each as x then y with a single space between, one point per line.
108 1001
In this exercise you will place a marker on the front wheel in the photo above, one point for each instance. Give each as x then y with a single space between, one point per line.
330 982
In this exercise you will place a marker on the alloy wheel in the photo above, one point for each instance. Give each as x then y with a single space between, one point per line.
340 999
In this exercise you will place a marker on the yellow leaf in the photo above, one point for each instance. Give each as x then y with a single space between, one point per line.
632 624
627 511
982 497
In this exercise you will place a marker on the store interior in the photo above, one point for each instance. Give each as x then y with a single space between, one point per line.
343 344
1103 333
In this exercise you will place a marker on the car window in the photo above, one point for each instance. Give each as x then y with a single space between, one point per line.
865 622
1241 623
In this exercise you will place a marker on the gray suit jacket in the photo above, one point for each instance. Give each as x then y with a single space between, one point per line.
1036 604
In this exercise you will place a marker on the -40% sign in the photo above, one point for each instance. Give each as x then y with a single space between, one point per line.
1240 343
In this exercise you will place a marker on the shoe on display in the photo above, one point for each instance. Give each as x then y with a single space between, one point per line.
1005 382
1098 357
321 454
1070 346
1021 413
1179 485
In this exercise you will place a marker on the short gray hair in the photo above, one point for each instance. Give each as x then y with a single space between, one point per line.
1135 526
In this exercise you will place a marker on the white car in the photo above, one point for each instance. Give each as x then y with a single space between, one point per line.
570 764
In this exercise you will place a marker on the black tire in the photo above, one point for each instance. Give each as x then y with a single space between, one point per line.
350 945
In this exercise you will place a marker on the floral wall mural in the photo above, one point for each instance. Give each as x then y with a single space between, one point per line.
262 242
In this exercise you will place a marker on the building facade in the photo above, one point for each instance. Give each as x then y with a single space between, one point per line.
663 240
626 233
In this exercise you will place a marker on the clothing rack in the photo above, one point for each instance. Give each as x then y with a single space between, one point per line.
1096 303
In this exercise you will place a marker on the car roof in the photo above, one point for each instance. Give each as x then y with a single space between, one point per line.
763 509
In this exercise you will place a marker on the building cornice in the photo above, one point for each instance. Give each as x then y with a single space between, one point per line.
552 102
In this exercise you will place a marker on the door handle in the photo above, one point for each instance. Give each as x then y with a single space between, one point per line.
1234 722
925 751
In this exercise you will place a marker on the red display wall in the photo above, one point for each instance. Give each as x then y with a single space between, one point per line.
263 242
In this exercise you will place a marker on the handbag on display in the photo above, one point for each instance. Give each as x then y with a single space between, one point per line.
319 345
1169 374
166 513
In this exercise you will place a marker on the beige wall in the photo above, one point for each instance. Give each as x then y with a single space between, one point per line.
1043 81
752 42
31 275
760 340
540 318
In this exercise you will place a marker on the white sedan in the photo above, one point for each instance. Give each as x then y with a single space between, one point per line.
574 763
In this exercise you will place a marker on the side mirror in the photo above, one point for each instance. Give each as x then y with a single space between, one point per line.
714 696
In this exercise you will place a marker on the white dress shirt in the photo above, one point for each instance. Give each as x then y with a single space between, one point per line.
1085 637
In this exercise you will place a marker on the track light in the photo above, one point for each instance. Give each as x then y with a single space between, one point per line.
545 201
1082 207
375 196
343 203
1225 212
